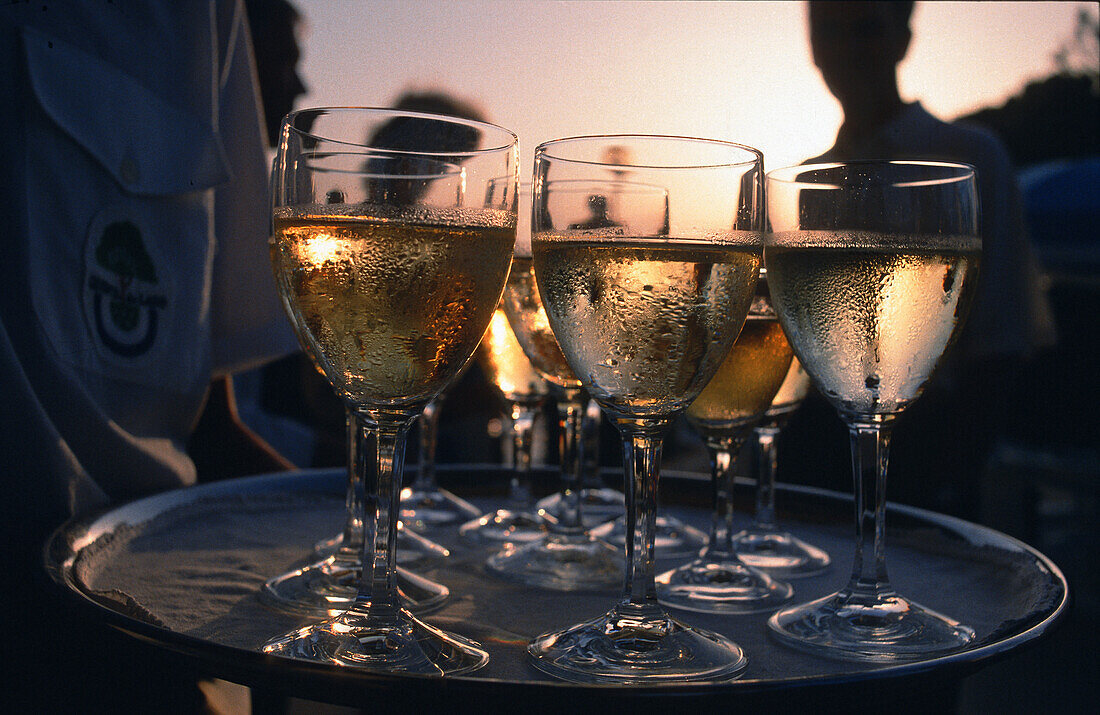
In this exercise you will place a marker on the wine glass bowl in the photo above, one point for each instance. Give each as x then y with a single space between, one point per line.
644 311
872 266
390 263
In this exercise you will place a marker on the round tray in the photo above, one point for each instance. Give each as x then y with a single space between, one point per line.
181 571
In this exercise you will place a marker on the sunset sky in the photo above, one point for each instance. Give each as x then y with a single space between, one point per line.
739 70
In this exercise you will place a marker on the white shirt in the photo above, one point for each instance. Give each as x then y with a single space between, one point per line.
135 213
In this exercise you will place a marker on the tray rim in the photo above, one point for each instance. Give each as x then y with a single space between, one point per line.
63 547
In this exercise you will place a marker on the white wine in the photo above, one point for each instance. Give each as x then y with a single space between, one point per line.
505 365
870 315
645 323
795 387
393 306
526 315
747 380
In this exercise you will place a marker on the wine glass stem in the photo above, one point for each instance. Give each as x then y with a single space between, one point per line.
523 422
870 438
429 431
570 412
381 469
351 545
723 455
590 446
642 461
764 513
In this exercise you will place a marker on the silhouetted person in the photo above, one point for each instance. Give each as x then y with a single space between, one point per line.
411 134
598 218
274 25
944 440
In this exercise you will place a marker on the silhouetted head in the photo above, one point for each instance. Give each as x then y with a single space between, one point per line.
412 134
415 134
858 46
274 25
597 204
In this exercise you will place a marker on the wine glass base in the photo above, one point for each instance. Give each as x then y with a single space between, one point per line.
599 505
616 648
880 629
673 537
400 645
329 587
425 510
411 547
714 585
557 562
503 526
779 554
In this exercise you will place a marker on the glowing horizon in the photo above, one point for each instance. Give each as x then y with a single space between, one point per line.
735 71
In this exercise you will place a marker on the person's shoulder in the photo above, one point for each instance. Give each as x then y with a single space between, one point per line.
828 156
935 138
979 136
970 141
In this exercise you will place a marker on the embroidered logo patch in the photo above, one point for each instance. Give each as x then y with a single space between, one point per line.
123 293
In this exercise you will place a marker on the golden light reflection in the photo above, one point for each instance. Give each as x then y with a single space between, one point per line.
320 248
504 361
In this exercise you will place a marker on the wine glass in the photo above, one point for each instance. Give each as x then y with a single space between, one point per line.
567 557
601 205
645 312
600 504
504 363
872 267
672 537
330 584
392 274
764 545
424 504
724 413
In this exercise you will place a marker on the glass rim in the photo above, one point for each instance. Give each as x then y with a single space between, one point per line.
954 172
451 168
288 124
543 150
566 184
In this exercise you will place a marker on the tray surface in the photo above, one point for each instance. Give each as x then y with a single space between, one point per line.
182 570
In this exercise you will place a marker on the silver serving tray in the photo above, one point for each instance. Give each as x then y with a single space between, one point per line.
179 571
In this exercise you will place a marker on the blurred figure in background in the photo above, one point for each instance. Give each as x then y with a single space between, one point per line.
950 432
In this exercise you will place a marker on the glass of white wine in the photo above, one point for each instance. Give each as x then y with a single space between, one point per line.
567 557
764 544
872 267
644 311
524 391
724 413
391 274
